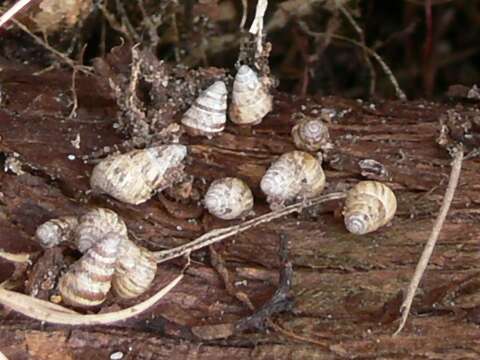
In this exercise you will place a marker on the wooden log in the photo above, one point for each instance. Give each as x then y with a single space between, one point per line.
346 289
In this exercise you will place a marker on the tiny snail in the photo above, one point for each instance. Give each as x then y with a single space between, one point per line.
56 231
134 177
368 206
228 198
311 134
88 280
251 99
294 175
208 114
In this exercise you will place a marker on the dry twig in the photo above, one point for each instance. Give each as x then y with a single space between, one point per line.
432 240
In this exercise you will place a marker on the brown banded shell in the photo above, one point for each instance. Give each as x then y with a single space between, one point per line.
56 231
134 177
228 198
294 175
134 272
88 281
311 134
368 206
208 114
251 99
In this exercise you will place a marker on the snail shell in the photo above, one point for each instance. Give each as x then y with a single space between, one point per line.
311 134
294 175
208 114
368 206
135 268
56 231
251 100
228 198
134 176
88 281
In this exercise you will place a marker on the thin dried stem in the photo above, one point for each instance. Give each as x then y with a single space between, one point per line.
244 14
432 240
18 258
257 25
10 13
218 235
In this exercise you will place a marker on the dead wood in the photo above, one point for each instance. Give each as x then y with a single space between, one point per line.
346 289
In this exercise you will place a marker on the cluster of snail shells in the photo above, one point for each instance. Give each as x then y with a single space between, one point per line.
133 177
311 134
296 175
109 260
368 206
251 101
228 198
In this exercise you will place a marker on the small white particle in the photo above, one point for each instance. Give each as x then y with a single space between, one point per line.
179 228
116 355
71 157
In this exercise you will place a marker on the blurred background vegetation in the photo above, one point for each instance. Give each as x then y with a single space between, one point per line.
324 47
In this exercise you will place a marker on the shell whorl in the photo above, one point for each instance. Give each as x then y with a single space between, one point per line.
55 231
228 198
88 281
133 177
368 206
208 114
310 134
95 224
251 100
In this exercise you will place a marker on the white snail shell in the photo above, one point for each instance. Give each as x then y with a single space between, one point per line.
294 175
368 206
56 231
208 114
251 99
133 177
311 134
88 280
228 198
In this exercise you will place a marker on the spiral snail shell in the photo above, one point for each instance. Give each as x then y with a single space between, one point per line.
311 134
56 231
88 280
368 206
294 175
228 198
208 114
251 99
133 177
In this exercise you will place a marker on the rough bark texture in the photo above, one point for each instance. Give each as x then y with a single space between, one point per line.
346 289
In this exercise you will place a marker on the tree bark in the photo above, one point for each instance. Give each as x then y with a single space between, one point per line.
346 289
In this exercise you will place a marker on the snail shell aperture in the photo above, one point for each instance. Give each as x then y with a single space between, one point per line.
134 176
311 134
368 206
294 175
251 99
208 114
228 198
88 280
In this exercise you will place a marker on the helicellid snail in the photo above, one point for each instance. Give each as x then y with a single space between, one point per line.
294 175
229 198
368 206
311 134
56 231
134 177
208 114
251 99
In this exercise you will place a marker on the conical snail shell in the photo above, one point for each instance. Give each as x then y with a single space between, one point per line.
368 206
56 231
95 224
134 176
311 134
134 272
294 175
251 100
88 281
135 268
208 114
228 198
